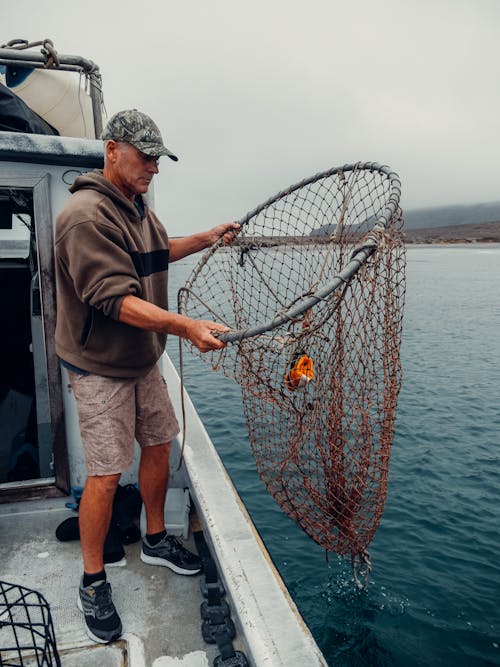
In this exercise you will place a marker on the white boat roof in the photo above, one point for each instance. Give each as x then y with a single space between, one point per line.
51 149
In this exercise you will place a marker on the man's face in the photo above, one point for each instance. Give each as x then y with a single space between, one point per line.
132 170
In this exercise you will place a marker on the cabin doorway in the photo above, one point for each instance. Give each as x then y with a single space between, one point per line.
32 454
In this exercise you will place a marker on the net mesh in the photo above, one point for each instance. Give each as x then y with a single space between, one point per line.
313 289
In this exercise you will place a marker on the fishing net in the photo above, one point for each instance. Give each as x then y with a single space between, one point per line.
312 289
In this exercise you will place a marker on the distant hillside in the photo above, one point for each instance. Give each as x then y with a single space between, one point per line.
447 216
487 232
436 217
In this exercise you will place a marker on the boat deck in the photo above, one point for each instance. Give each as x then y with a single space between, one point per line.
160 610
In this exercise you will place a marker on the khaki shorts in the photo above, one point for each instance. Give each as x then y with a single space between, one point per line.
114 411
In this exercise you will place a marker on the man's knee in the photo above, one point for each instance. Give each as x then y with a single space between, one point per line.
103 484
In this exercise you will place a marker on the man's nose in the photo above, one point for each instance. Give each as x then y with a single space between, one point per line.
153 167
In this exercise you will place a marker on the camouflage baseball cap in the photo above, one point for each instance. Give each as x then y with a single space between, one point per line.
135 128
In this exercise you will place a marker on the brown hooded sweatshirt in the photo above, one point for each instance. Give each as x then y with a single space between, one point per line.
105 249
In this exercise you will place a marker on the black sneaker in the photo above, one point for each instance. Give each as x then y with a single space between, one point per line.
103 624
170 552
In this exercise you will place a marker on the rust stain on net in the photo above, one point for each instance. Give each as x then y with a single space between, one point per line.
322 447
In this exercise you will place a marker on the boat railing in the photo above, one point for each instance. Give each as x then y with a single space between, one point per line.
17 53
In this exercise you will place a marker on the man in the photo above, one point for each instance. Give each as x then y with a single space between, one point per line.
112 257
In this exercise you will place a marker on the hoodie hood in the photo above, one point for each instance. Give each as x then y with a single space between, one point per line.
95 180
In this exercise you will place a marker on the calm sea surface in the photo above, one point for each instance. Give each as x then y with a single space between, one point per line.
434 593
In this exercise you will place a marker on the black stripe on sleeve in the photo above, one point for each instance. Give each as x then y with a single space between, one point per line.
146 263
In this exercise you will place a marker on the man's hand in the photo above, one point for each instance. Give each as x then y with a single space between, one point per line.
181 247
199 332
144 315
227 230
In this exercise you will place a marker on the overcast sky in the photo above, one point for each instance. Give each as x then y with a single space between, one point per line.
254 96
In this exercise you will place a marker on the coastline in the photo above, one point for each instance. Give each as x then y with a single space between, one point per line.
466 234
452 244
461 234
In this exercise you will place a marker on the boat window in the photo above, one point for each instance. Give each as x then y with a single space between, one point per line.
15 227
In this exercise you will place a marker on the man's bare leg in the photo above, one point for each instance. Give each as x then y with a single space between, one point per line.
96 507
153 480
102 622
157 547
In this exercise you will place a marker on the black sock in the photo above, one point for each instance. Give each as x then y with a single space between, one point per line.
89 579
154 538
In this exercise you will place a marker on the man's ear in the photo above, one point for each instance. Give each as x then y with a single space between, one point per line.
111 149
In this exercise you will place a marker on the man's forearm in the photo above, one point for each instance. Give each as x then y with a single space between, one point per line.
182 247
145 315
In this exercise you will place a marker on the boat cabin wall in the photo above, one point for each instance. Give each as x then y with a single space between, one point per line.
36 171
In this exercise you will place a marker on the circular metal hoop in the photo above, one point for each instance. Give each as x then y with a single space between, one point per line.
360 253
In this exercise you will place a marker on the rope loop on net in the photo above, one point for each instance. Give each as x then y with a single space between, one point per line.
361 568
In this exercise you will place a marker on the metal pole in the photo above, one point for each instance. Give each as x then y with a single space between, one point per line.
296 311
24 58
96 97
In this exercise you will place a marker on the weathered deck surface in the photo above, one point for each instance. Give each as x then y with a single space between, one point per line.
158 607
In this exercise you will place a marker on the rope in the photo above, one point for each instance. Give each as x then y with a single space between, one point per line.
361 568
183 406
47 50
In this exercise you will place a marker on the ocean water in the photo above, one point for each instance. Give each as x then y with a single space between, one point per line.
434 593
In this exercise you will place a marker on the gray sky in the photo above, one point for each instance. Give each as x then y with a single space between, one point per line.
254 96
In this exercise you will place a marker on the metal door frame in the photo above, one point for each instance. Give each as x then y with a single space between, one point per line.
39 185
